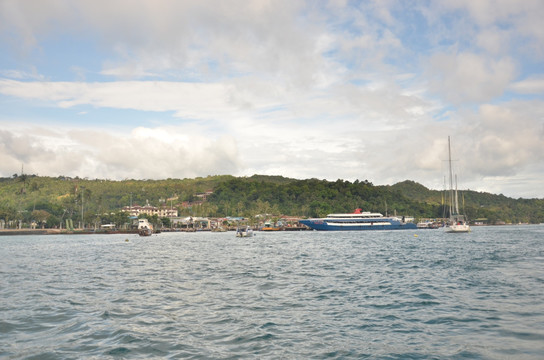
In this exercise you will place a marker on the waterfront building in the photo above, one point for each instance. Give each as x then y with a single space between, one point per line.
163 211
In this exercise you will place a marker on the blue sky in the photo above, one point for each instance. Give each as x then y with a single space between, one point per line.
366 90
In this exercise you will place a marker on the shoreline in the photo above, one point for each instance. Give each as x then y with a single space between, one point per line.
7 232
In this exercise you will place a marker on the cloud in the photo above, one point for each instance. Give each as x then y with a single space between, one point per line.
531 85
524 16
188 100
469 78
494 40
22 75
517 25
508 138
506 145
149 153
18 148
184 38
36 150
379 104
490 143
366 90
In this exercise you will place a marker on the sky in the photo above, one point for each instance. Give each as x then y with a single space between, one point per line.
367 90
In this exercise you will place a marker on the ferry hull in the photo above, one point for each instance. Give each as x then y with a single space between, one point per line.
322 225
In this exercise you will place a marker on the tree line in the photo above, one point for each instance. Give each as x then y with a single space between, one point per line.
49 201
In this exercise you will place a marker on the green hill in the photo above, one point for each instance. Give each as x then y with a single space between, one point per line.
495 208
28 197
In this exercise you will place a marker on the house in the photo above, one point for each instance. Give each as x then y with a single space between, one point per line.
163 211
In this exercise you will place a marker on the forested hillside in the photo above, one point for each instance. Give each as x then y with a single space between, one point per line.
311 198
50 200
495 208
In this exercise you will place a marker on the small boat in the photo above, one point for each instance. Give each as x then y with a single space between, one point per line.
268 226
457 222
424 225
145 231
428 225
144 228
271 228
244 231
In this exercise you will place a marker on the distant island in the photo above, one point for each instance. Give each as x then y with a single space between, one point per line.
31 201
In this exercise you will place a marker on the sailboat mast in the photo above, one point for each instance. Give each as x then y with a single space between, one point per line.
451 177
456 198
444 195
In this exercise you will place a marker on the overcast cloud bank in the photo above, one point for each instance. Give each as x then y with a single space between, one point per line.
364 90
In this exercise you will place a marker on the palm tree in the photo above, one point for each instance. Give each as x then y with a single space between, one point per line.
23 178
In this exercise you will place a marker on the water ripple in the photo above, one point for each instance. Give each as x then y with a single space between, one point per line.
380 295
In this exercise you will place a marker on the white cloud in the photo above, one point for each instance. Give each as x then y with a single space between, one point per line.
507 141
505 144
143 38
22 74
517 25
532 85
376 105
468 77
189 100
306 89
493 40
144 153
525 16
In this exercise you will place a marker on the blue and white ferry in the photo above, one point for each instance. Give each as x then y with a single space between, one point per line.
359 220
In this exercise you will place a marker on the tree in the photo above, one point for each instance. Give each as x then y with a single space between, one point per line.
166 222
23 178
120 218
8 214
53 221
41 217
154 219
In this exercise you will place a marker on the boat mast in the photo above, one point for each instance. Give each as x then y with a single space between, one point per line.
456 197
443 195
451 177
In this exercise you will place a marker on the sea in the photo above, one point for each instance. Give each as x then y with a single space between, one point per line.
410 294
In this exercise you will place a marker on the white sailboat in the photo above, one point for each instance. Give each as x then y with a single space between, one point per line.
457 222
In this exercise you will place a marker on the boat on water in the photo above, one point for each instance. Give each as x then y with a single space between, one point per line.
273 228
457 222
244 231
269 226
428 225
359 220
144 228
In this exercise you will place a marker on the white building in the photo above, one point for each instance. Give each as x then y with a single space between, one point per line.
161 212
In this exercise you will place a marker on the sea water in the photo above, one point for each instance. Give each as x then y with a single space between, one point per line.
407 294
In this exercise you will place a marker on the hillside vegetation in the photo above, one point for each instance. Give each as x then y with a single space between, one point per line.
48 201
